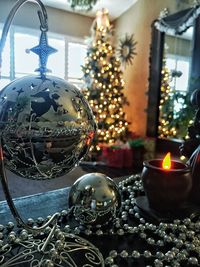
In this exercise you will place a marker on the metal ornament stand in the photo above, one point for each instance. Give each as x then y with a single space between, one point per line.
42 14
35 242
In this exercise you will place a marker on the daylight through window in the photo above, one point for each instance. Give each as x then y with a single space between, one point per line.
66 63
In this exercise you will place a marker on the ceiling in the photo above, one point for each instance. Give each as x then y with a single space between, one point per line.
115 7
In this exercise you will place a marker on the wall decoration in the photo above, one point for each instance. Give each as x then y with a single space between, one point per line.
127 49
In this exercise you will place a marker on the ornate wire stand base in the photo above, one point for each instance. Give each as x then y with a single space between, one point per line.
63 249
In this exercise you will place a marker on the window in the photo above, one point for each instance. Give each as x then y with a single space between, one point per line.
5 72
22 42
66 63
179 68
76 54
56 61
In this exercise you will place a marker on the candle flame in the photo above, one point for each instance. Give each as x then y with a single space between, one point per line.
166 164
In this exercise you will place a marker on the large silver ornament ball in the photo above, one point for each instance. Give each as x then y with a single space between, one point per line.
95 199
46 126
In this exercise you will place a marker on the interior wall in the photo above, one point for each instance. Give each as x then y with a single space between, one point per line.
137 21
59 21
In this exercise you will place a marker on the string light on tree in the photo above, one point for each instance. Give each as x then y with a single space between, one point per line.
104 84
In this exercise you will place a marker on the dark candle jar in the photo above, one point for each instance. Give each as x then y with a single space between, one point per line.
166 190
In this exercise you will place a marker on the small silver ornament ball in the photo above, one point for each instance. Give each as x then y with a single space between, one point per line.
46 126
95 199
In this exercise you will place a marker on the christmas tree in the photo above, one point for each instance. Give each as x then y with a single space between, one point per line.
173 121
165 107
104 84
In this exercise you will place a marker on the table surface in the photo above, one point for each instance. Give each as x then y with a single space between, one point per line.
34 206
19 186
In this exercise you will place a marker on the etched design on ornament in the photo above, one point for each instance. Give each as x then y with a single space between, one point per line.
89 215
42 128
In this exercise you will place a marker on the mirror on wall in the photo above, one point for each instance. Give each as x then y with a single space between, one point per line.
175 111
174 73
178 56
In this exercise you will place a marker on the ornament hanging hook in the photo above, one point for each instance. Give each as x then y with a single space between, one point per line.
43 22
42 14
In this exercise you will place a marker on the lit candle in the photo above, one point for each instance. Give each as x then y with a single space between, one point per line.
166 163
167 183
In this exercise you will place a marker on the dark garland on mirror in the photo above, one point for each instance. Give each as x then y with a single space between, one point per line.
176 25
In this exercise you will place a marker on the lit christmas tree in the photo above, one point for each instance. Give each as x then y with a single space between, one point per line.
104 84
173 121
166 107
